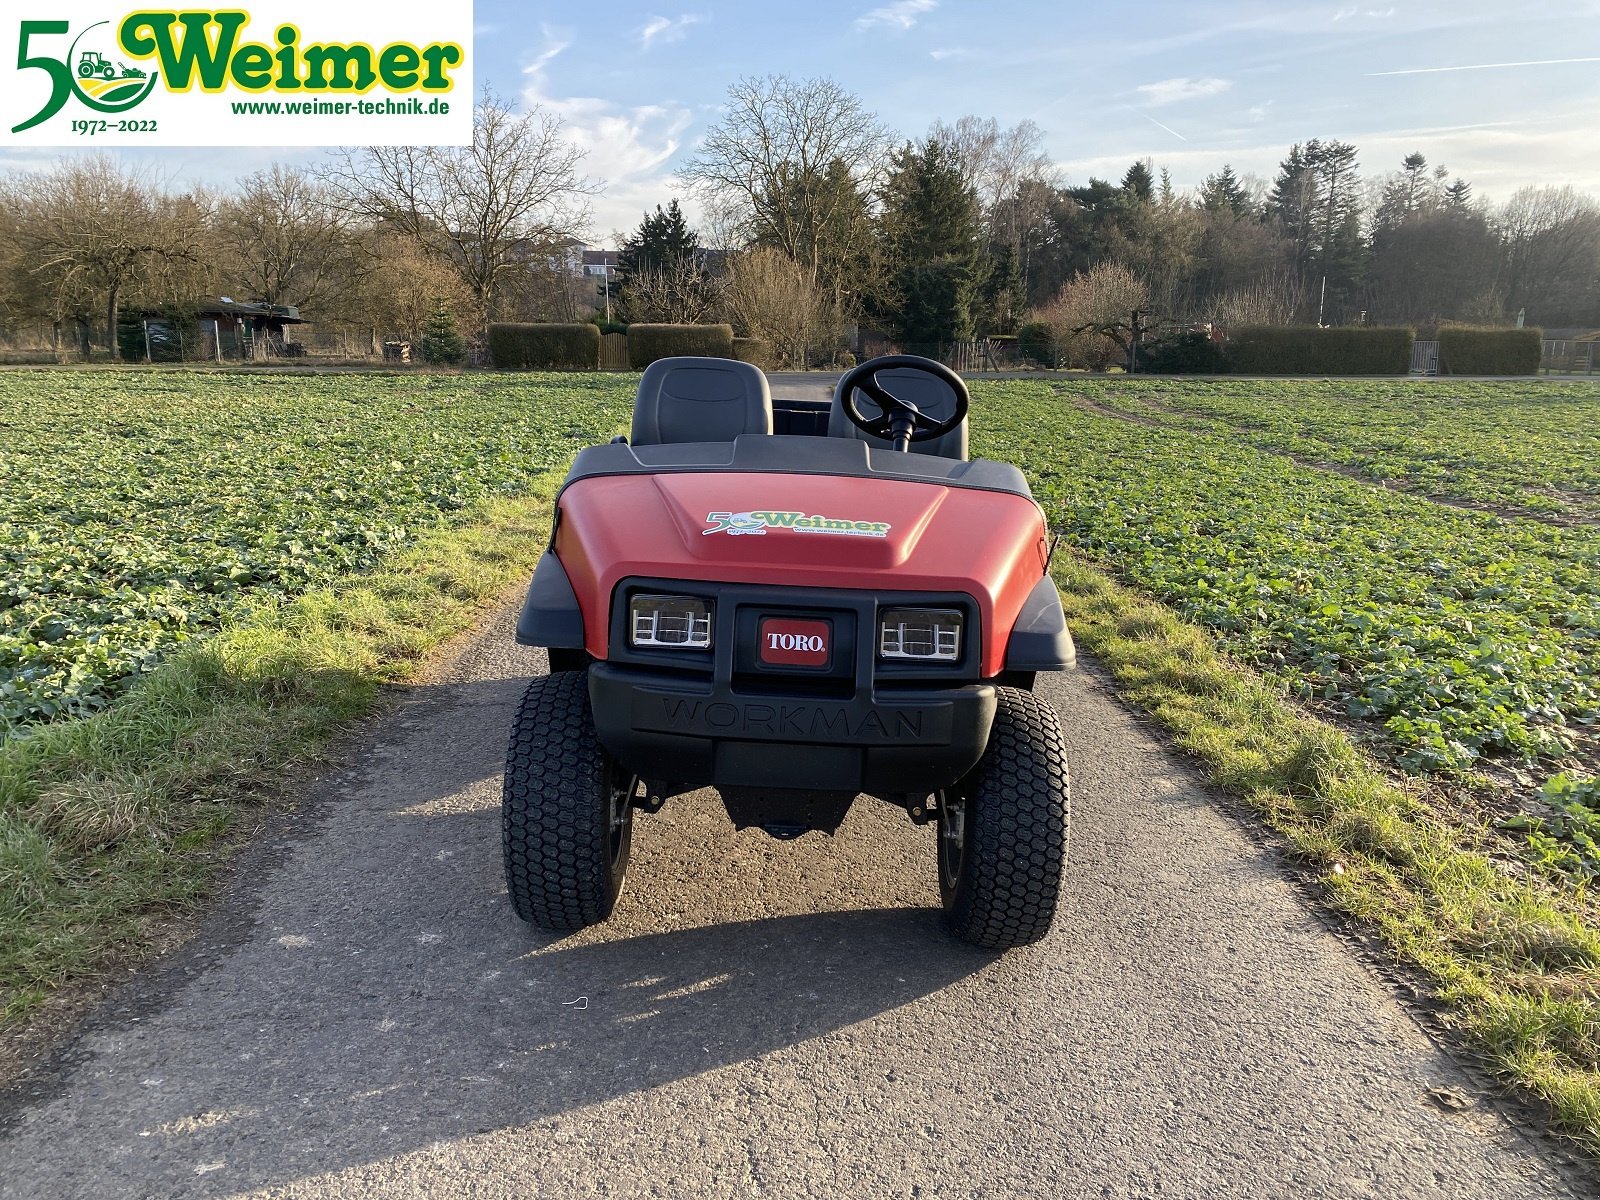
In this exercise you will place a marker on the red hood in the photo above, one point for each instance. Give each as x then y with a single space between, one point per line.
801 530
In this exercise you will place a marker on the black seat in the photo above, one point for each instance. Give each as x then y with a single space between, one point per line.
929 393
700 400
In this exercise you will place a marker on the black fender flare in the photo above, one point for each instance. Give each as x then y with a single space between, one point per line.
550 615
1040 640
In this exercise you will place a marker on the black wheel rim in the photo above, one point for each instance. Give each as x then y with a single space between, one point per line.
952 838
619 812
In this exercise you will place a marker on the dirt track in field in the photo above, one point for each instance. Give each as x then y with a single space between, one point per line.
364 1017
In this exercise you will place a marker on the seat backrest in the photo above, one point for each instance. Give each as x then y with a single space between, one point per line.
700 400
930 394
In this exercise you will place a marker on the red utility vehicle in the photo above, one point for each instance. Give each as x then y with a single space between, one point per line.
794 605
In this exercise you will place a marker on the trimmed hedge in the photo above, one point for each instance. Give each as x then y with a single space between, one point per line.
646 343
1307 350
1465 351
753 350
541 347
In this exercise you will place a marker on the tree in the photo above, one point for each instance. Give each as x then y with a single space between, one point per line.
285 240
91 232
442 343
664 276
1139 182
792 161
1224 194
1093 316
932 247
1316 202
1550 238
510 199
772 297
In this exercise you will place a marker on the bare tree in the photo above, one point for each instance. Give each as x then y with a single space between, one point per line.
795 159
1092 317
513 196
285 241
90 227
681 291
772 297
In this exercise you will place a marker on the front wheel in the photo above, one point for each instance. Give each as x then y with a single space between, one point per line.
566 810
1003 830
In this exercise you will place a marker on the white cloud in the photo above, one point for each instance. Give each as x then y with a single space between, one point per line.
1258 112
1374 14
665 29
902 15
628 148
943 53
1175 91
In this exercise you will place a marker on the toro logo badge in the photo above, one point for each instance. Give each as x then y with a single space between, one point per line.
794 643
337 72
757 523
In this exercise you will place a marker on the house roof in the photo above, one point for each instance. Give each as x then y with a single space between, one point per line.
286 314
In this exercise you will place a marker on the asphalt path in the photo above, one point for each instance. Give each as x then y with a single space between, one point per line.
365 1017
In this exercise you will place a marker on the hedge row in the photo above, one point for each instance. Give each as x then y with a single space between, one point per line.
544 347
752 350
1307 350
646 343
1464 351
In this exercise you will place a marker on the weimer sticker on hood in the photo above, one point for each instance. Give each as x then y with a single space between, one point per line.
757 523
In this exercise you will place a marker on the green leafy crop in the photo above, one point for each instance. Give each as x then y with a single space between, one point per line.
139 508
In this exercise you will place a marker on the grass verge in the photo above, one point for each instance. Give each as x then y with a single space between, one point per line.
111 824
1514 962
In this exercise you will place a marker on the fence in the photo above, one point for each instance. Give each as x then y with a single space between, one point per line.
1570 358
1424 358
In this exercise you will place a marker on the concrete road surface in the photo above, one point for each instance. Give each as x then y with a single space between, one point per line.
366 1018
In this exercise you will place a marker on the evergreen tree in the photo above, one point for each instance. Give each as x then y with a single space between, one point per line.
1458 195
1139 183
662 240
1317 204
1223 193
932 243
442 342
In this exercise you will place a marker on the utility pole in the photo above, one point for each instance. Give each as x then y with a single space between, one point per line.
1323 303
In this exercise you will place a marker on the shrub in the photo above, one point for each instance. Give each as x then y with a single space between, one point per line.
1307 350
753 350
1467 351
1036 343
1188 353
646 343
442 342
514 346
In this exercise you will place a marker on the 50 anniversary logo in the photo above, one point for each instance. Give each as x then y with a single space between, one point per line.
208 77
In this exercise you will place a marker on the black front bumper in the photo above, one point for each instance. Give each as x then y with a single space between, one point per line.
698 732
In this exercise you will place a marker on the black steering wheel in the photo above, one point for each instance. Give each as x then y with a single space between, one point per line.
900 421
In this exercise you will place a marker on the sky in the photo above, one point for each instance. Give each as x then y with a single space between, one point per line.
1503 95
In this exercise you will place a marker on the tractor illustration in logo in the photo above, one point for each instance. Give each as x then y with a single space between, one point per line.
94 63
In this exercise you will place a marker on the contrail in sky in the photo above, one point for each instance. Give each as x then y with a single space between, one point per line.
1168 128
1543 62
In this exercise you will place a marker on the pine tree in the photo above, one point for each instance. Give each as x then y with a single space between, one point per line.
1458 195
663 240
1139 183
442 343
932 242
1223 193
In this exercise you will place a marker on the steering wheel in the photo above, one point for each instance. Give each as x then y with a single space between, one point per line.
900 421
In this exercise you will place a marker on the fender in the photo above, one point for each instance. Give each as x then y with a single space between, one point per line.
1040 640
550 615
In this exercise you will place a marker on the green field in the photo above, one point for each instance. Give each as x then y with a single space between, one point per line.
1463 633
1532 447
139 510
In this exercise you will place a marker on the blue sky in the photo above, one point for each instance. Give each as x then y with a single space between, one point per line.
1191 85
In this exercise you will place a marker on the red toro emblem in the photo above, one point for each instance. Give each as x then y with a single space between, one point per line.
791 643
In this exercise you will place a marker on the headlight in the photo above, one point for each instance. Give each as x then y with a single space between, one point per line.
670 622
926 634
